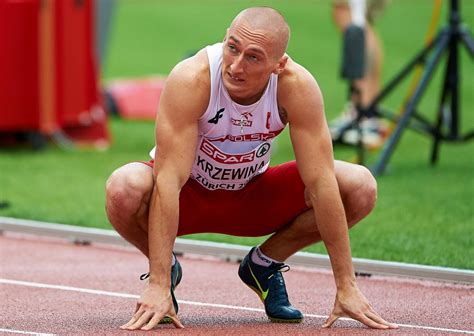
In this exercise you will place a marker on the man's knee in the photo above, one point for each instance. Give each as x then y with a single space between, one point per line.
127 188
370 188
363 196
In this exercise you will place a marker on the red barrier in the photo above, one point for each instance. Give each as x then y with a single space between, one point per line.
77 96
49 75
19 68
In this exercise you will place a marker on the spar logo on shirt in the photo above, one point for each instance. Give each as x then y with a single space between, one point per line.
213 152
215 168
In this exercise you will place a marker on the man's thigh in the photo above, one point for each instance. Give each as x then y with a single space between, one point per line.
267 204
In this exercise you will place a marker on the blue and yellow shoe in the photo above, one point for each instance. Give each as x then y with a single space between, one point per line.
269 285
176 275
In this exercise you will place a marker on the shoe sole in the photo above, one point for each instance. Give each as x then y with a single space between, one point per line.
277 320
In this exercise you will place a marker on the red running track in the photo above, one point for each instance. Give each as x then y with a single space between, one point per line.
54 287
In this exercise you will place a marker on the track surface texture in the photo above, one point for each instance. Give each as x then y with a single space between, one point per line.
51 286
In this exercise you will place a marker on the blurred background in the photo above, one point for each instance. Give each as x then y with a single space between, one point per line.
81 81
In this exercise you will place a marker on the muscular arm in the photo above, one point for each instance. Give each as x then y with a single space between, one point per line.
184 99
182 102
302 100
299 96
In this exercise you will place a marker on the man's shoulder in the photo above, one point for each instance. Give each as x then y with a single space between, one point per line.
192 72
294 76
296 83
189 81
297 91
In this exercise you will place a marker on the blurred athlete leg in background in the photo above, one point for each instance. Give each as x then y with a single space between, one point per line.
368 86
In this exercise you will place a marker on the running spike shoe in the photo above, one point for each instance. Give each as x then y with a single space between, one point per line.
269 285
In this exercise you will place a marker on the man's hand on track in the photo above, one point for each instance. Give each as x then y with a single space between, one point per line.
154 304
352 303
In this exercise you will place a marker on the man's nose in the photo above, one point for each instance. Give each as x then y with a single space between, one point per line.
237 65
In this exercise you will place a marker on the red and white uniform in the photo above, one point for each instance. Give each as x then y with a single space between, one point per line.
235 141
233 152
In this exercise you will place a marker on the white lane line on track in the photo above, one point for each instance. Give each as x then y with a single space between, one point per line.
12 331
193 303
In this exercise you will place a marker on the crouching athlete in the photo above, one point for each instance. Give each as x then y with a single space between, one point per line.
219 113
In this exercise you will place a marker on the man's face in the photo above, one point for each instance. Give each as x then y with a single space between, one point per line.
247 62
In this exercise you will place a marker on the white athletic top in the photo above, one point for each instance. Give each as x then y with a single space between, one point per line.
235 141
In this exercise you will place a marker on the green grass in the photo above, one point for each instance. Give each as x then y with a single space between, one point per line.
424 214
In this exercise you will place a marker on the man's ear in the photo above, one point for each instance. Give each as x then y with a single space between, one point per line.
281 65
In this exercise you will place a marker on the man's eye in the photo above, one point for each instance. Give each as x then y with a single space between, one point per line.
253 58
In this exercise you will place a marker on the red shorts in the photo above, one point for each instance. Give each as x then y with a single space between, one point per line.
265 205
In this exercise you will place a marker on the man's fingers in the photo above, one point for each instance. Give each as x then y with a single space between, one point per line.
143 320
129 323
139 310
154 321
177 323
375 317
331 319
368 322
135 317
